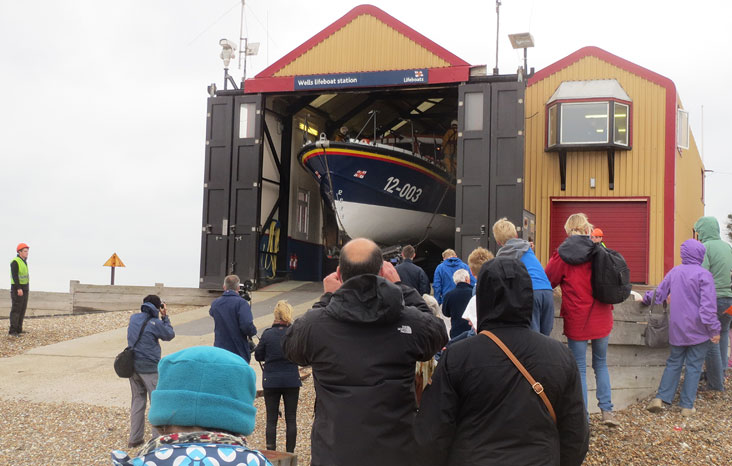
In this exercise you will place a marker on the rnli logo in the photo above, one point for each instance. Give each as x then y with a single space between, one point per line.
317 173
418 74
359 174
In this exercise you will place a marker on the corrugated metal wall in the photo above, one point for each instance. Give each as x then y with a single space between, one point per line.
638 172
689 205
365 44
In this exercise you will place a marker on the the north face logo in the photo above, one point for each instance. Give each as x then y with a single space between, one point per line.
405 329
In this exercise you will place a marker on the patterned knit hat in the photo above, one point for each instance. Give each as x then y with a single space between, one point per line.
206 387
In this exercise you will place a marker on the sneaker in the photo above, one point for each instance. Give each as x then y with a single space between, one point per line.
608 418
655 406
134 444
686 412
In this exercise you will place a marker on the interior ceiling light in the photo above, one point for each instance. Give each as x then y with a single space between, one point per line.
398 125
310 129
596 116
322 100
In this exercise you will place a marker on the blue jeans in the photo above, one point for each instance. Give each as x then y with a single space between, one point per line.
542 317
693 356
599 365
717 358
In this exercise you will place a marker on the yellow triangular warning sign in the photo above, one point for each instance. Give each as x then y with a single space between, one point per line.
114 261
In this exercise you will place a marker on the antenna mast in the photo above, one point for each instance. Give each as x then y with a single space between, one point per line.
242 38
498 23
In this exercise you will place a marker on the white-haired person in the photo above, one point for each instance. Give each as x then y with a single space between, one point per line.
280 378
585 318
203 407
456 301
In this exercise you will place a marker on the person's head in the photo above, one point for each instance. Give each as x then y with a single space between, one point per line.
596 235
577 224
22 250
477 258
461 276
504 230
692 252
505 295
154 300
408 252
359 256
707 229
454 124
283 312
448 253
206 387
231 283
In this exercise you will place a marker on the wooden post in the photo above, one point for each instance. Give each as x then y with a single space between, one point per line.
112 276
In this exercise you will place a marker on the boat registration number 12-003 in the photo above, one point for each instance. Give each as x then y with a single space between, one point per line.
407 191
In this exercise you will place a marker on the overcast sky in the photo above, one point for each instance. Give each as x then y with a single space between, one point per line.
102 106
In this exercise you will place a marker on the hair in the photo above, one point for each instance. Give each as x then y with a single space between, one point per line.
448 253
408 252
283 312
504 230
460 275
154 300
231 282
365 259
477 258
577 224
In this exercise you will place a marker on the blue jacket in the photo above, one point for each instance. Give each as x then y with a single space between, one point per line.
147 350
233 323
411 274
443 282
454 306
278 371
517 248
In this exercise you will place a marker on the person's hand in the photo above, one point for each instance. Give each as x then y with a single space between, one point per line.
389 272
163 310
20 292
715 339
332 282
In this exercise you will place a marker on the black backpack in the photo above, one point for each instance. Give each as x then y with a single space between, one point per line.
610 276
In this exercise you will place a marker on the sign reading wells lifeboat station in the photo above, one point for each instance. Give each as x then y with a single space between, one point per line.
367 79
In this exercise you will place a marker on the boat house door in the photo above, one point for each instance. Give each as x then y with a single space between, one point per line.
490 166
232 189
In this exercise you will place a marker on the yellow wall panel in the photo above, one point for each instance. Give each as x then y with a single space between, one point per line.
364 44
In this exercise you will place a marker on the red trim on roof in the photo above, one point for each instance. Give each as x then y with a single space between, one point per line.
669 192
379 14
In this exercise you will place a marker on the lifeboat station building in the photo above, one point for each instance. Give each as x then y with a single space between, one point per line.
591 133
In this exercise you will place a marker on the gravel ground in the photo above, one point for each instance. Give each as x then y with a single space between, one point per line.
71 433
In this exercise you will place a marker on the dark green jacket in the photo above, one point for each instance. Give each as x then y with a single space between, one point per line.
718 258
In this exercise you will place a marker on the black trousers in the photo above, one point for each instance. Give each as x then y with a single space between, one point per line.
17 309
272 404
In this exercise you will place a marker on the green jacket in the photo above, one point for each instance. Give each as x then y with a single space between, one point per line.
718 258
22 269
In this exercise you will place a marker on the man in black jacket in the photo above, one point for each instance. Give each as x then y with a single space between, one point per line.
480 409
363 346
412 274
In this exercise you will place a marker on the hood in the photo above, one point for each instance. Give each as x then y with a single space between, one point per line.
576 249
150 309
366 299
452 261
707 228
505 296
514 248
692 252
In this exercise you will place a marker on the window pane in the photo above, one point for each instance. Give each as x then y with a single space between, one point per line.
552 126
473 111
622 117
584 123
682 129
246 120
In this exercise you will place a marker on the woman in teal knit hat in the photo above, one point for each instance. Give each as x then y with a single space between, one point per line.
204 408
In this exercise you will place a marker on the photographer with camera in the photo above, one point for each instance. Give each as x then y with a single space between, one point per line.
233 320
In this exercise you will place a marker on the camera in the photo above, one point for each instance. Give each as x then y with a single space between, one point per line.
245 288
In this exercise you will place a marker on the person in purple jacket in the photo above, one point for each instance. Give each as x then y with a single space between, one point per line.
693 326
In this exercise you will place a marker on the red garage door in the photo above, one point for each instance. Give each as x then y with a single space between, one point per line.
624 224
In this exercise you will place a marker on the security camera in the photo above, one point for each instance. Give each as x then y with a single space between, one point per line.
228 51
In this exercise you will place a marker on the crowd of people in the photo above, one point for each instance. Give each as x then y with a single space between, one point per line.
392 387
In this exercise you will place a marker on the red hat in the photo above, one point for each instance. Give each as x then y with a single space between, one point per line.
597 232
21 246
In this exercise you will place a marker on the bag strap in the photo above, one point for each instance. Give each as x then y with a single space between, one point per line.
141 330
538 388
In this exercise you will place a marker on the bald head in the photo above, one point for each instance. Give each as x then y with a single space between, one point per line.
360 256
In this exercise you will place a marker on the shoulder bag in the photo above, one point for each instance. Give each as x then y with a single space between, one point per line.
656 333
124 363
538 388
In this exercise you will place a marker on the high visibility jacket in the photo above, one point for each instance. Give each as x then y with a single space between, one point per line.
23 276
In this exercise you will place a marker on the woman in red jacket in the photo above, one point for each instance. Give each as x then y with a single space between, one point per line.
585 319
